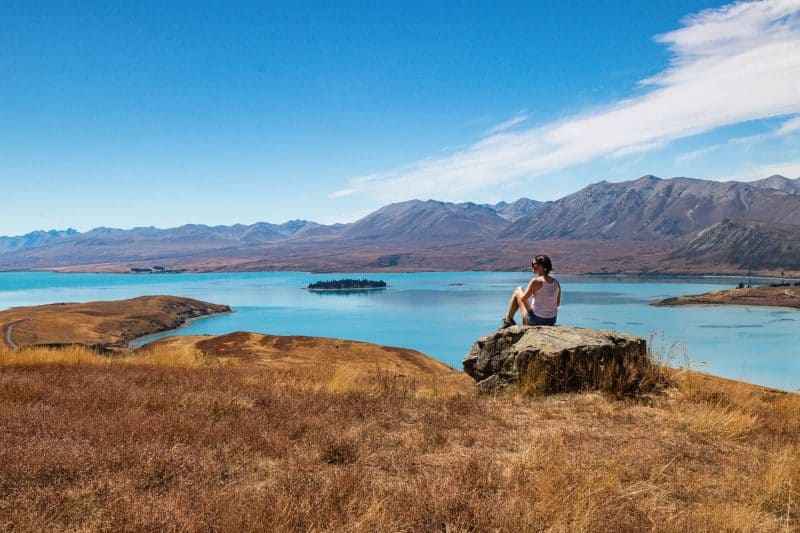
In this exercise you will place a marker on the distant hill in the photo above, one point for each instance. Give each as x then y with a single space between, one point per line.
745 244
33 239
652 208
431 220
39 249
266 232
780 183
261 232
516 210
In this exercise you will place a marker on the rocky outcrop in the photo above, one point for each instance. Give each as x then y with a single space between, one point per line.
543 359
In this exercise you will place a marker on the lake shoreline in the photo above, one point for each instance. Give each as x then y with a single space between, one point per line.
139 342
424 312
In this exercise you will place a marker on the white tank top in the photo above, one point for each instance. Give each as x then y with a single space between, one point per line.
545 301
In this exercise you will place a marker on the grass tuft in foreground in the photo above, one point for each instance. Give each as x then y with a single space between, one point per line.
621 376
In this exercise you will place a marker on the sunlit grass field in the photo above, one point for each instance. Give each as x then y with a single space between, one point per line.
171 438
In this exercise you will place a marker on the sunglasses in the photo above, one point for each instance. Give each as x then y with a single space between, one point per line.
535 265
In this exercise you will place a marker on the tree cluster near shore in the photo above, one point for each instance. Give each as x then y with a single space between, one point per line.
157 270
347 284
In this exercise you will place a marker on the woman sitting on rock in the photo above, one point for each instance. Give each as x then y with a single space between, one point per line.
546 293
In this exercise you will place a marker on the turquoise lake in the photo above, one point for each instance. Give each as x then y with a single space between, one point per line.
442 314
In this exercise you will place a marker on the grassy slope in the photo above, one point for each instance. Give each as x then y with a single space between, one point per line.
177 438
110 324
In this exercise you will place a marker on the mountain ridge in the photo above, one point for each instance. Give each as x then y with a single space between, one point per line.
782 183
651 207
661 214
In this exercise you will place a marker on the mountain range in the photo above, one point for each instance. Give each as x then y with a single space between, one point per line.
643 225
651 208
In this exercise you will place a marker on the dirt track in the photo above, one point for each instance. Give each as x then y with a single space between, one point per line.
7 337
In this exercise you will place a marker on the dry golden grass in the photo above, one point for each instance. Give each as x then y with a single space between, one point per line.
106 324
77 355
176 439
622 376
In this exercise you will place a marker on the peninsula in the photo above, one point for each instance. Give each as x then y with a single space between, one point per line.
773 296
107 325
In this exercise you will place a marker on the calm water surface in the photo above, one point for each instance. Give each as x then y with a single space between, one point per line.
441 314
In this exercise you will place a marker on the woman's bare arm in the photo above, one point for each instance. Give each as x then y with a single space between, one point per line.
533 287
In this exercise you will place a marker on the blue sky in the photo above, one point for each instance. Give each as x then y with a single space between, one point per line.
135 113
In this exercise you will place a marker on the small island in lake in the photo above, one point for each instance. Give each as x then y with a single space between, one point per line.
778 295
347 285
157 270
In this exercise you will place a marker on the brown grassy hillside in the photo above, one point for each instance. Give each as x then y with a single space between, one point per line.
104 324
285 435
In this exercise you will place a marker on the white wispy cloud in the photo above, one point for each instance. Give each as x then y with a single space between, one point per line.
507 125
786 128
691 156
343 192
788 169
790 126
729 65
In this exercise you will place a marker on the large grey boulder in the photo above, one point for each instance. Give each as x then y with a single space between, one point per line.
548 359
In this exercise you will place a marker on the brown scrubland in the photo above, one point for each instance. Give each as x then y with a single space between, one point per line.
251 432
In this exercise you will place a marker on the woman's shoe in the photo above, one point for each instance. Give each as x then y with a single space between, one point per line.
508 323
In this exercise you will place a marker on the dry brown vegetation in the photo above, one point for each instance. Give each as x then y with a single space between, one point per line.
108 325
617 373
176 437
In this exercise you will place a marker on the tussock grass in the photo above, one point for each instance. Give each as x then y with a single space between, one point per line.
616 373
78 355
340 379
720 421
175 440
69 355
